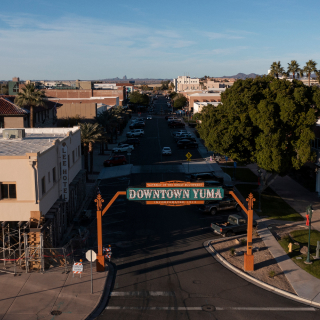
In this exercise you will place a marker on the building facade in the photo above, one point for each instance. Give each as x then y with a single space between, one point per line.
42 183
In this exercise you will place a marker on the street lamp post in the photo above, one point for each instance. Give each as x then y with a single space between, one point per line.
308 223
259 189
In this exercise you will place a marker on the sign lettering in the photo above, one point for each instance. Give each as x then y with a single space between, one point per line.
167 194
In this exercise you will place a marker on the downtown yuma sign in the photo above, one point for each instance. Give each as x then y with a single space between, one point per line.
174 193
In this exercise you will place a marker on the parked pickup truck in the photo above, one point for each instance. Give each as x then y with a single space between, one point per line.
235 224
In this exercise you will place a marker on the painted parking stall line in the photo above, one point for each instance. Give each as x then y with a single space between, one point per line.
142 294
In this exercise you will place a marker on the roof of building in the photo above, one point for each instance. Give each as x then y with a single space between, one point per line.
49 104
9 108
205 94
36 140
124 84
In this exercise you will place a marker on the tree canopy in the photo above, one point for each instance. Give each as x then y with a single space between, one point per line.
265 121
138 98
179 101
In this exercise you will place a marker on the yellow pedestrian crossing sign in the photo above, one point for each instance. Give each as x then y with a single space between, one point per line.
188 155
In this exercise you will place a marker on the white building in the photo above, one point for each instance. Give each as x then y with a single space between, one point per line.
198 106
185 82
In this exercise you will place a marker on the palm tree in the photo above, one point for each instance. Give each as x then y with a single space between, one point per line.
317 72
293 67
90 134
276 69
32 97
309 68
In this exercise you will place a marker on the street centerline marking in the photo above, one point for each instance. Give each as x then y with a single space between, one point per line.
216 308
142 293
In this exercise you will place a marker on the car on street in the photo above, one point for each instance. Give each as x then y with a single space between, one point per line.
135 133
184 136
235 224
203 176
123 148
213 206
149 117
137 125
179 132
115 161
187 144
133 141
166 151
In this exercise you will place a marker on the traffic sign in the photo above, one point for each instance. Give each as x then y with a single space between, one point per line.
77 268
91 255
188 155
129 154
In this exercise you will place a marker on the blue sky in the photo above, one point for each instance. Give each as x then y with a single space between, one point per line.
67 39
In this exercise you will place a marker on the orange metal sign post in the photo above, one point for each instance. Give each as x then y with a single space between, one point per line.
99 200
248 256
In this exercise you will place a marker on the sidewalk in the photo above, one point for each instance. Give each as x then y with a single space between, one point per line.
35 295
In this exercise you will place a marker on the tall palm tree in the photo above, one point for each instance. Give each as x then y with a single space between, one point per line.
276 69
32 97
90 134
317 72
293 67
309 68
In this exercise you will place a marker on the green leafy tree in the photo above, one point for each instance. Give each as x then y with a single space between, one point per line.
138 98
293 67
90 134
276 69
180 102
165 85
309 68
4 89
265 121
32 97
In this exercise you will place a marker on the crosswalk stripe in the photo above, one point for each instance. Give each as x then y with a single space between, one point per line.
142 293
215 308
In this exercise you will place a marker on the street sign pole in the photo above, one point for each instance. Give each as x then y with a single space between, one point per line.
91 272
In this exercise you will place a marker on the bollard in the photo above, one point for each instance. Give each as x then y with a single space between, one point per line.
290 247
317 250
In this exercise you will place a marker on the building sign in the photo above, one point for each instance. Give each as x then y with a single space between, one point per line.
177 194
64 172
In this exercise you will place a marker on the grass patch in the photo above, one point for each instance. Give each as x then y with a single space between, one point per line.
301 236
242 174
272 206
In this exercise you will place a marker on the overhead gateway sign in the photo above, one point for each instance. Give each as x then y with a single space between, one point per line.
175 193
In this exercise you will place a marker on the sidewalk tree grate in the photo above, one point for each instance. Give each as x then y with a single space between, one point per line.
56 312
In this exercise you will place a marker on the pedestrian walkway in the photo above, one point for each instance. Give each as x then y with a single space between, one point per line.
40 296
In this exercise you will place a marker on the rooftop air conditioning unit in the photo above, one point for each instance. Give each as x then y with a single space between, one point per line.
13 133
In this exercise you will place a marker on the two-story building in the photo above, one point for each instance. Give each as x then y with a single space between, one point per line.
42 184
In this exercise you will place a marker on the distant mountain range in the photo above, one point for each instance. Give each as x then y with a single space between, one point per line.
243 76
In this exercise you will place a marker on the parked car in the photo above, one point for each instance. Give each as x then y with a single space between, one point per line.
215 183
133 141
235 224
203 176
135 133
213 206
184 136
123 148
137 125
149 117
115 160
178 133
185 139
187 144
166 151
175 124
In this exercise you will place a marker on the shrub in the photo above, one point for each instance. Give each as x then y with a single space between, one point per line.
232 251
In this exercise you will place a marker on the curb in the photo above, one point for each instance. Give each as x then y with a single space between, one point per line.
105 295
261 284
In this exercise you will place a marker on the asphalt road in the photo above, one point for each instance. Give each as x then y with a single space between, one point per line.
162 268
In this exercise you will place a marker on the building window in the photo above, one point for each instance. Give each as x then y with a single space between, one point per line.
16 88
73 159
48 177
54 174
43 185
8 191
